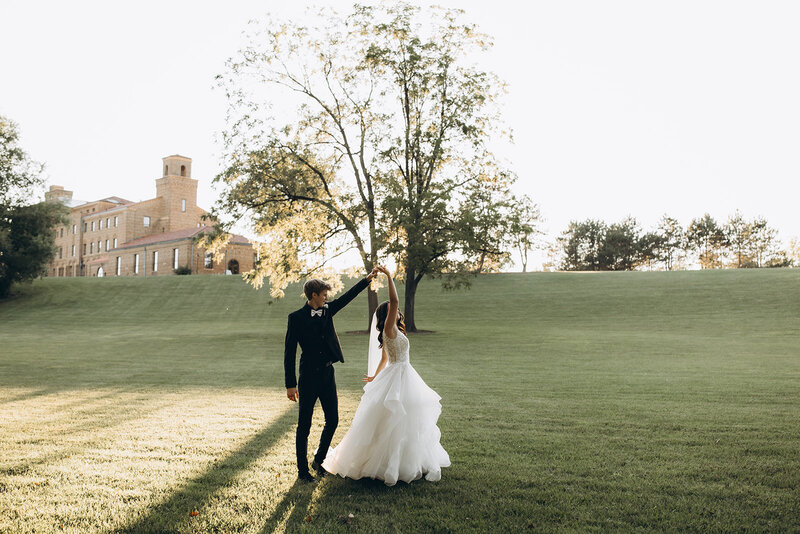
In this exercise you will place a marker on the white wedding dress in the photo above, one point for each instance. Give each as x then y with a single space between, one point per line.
394 434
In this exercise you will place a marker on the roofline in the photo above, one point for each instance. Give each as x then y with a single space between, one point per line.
109 210
191 237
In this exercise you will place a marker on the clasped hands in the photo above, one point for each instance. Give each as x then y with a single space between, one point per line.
376 270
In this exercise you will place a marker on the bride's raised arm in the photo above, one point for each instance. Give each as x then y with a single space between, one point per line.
390 328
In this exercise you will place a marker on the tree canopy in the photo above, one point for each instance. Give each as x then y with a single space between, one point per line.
26 228
365 132
593 245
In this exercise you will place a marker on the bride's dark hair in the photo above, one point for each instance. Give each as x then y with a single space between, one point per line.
380 314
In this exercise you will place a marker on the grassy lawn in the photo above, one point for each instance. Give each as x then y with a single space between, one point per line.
570 402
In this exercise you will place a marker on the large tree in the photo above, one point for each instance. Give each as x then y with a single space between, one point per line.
706 237
581 243
375 141
620 246
20 176
488 202
524 228
763 242
26 229
793 252
738 236
671 241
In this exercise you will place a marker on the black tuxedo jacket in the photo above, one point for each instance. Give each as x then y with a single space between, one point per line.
318 346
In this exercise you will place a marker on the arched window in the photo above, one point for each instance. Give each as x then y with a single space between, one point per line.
233 267
183 170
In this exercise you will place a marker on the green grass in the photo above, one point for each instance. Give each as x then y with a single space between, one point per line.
571 402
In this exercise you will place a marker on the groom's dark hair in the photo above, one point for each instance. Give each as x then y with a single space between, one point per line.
315 285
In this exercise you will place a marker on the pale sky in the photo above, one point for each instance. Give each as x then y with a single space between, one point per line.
618 108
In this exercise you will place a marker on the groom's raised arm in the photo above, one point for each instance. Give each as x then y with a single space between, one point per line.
335 305
290 355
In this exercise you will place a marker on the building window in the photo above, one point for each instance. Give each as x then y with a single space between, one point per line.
115 242
107 245
135 264
108 222
147 222
99 246
84 248
174 258
73 251
119 265
183 206
183 170
116 221
91 247
166 170
155 261
100 224
92 226
60 251
209 260
84 226
62 231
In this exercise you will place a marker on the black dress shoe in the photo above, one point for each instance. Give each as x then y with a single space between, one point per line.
305 477
321 471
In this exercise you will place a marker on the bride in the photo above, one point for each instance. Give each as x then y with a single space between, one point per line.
394 434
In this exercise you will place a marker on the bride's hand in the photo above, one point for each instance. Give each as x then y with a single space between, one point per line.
384 270
368 378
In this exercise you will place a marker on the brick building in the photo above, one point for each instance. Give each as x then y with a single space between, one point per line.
117 237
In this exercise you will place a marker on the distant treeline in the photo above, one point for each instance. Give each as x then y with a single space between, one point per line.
593 245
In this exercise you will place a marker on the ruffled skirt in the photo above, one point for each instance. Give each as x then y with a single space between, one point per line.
394 434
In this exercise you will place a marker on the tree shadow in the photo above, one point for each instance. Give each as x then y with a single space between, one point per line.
96 418
29 395
170 514
299 496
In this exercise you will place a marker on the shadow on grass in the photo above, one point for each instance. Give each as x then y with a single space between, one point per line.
97 418
172 513
29 395
298 496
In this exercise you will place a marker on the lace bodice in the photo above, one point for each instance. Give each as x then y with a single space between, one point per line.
397 348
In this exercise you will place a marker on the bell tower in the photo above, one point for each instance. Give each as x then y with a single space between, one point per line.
178 191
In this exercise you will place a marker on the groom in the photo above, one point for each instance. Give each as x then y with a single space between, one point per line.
312 327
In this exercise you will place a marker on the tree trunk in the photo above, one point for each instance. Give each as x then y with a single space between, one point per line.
410 294
480 264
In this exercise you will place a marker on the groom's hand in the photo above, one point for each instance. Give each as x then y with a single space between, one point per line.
373 274
292 394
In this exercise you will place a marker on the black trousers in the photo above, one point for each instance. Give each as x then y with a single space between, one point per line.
320 384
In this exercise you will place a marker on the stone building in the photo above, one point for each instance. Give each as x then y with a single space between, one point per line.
116 237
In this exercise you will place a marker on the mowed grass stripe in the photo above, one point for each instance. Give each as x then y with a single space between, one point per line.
571 401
